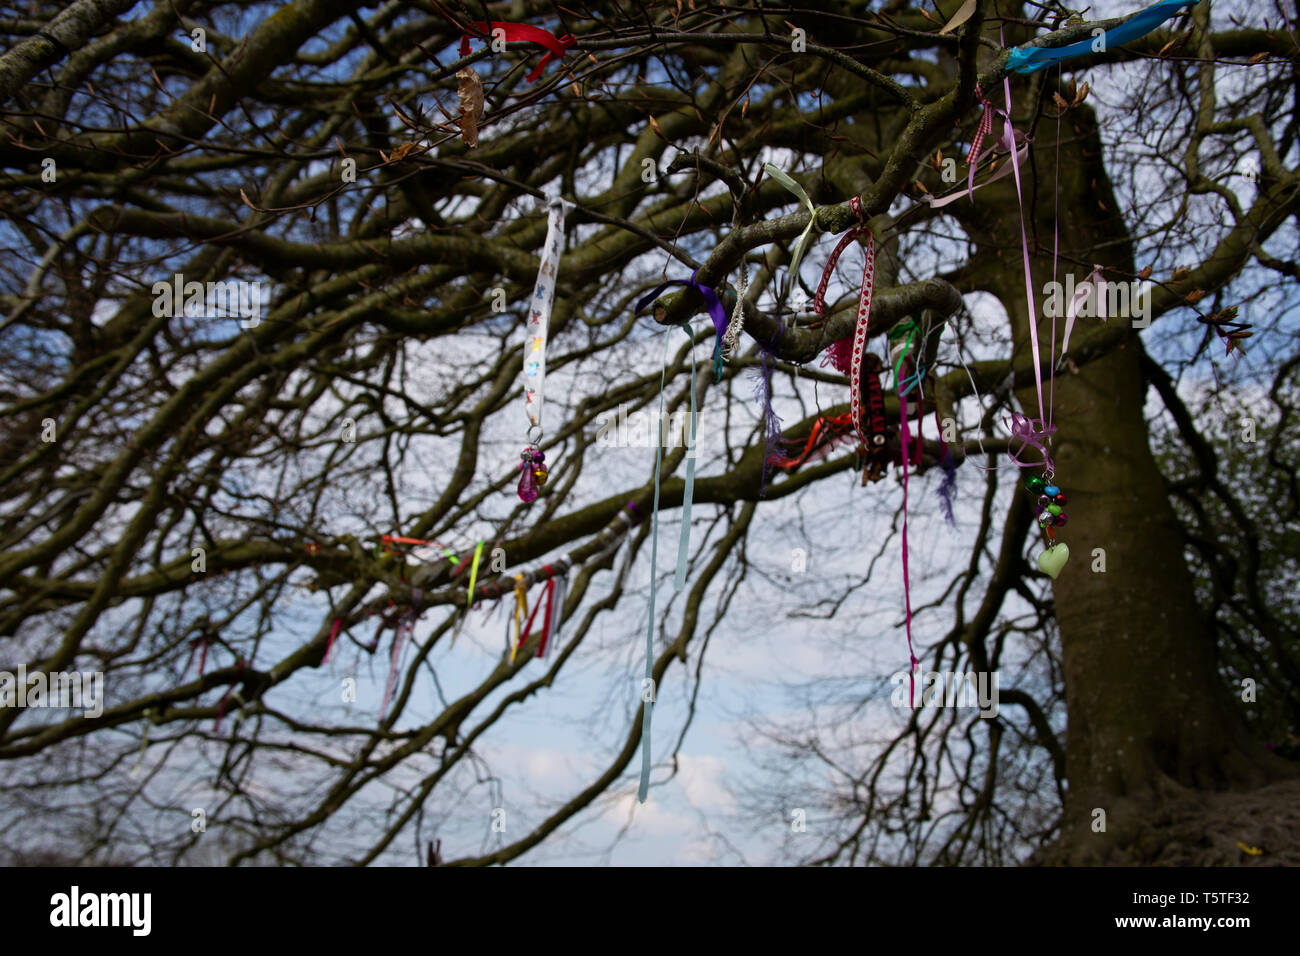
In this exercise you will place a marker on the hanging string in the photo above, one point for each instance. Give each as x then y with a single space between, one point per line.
1030 432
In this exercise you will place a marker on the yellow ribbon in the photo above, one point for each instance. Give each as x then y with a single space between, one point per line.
473 576
521 608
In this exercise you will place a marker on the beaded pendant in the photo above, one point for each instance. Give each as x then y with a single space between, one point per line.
1050 511
533 465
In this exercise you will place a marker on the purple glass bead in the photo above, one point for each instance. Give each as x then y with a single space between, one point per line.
527 485
1060 520
528 482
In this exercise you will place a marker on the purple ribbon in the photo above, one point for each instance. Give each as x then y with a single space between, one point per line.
1030 432
711 300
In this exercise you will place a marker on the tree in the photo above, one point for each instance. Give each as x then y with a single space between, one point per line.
172 475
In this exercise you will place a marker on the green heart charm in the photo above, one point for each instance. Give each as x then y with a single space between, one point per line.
1053 559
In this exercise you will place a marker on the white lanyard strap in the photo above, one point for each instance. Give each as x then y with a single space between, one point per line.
539 319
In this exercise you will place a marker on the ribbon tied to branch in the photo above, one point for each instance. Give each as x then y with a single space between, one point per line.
556 46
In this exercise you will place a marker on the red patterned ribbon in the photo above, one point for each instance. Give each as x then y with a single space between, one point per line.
876 407
982 130
864 308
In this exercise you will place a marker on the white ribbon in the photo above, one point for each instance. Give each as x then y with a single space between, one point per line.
801 246
731 338
1094 285
539 318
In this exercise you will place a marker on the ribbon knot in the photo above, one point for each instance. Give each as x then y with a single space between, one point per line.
717 311
981 131
1031 433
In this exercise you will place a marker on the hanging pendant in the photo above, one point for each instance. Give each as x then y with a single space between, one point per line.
532 464
1050 511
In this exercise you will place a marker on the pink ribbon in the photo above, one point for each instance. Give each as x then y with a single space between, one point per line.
1031 433
907 590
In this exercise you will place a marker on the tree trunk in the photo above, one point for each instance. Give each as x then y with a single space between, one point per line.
1151 724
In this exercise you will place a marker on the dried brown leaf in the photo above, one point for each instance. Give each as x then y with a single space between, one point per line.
470 91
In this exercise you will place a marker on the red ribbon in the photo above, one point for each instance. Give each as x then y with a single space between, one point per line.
201 645
221 708
827 430
528 34
334 632
546 623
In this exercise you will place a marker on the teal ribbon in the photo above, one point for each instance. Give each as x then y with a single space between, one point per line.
648 706
683 550
914 380
688 494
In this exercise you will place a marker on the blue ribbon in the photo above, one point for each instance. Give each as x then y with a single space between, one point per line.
648 705
1030 59
683 543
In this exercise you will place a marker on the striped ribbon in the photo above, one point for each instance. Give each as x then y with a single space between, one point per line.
982 130
864 308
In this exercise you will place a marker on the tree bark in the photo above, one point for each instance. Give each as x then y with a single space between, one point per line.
1150 720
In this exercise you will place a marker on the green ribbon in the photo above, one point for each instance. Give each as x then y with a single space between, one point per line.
908 329
797 191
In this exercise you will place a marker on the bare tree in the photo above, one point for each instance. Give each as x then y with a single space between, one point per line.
199 503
